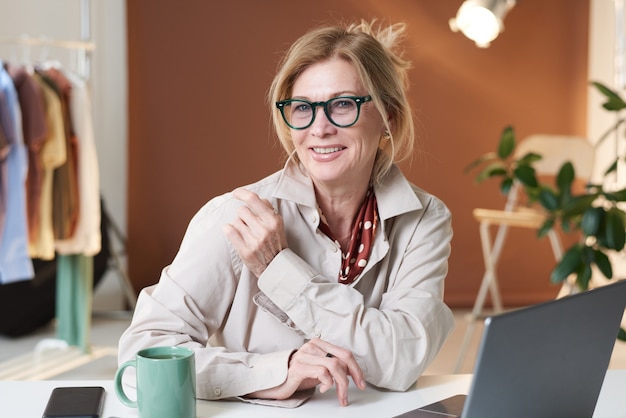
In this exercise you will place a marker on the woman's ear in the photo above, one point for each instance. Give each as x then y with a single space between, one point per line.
391 125
388 128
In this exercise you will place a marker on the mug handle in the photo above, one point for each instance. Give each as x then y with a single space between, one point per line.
119 389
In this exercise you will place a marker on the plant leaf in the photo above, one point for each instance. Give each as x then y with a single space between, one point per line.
621 335
546 227
490 156
566 225
616 196
565 177
548 199
603 263
526 175
578 205
614 231
492 170
507 143
529 158
571 262
614 101
612 168
592 219
583 277
505 186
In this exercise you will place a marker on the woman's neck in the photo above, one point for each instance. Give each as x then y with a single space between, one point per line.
339 208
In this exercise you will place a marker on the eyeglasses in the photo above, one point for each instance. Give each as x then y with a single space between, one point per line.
342 111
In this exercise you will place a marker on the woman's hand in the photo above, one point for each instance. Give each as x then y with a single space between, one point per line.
258 233
318 363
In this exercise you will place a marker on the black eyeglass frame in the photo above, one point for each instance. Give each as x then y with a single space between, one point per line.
359 100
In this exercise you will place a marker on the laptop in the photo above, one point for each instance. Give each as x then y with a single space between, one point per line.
546 360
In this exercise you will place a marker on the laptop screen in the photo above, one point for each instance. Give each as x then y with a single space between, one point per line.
548 359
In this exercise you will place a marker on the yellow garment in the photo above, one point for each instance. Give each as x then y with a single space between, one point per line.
86 238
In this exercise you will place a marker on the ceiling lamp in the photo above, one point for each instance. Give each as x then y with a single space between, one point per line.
481 20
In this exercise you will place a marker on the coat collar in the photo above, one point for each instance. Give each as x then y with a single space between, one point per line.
394 194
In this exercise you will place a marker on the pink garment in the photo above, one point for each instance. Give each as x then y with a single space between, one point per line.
35 131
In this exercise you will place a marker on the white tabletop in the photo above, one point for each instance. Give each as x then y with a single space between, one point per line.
29 398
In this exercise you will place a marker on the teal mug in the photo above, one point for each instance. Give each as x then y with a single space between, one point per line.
166 383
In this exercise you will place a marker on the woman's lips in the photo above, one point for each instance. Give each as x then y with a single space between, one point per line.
326 150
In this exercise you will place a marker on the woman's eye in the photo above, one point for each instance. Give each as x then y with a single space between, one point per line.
342 105
302 108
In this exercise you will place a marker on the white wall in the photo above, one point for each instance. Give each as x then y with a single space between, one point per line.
602 68
606 51
61 19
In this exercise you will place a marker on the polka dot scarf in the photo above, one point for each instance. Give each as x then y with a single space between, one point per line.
355 258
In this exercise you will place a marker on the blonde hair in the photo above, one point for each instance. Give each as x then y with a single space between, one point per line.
383 72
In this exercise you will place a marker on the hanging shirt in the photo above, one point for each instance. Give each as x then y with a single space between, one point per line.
4 152
53 155
86 238
65 201
15 264
34 130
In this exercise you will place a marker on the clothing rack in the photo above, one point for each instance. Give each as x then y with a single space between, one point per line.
83 49
71 348
42 41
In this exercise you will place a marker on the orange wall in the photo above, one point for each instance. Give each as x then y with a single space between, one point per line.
199 125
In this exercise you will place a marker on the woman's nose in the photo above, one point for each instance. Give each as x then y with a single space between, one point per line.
321 125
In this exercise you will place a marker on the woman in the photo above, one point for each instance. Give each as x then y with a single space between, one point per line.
328 270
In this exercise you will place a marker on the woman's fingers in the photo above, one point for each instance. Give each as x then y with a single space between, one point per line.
338 366
328 372
262 209
346 356
257 233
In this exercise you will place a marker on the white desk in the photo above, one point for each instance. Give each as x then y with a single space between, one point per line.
28 399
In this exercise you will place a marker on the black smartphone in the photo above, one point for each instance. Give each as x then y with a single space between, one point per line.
74 402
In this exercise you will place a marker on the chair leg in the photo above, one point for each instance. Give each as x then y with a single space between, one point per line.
471 321
469 332
491 255
488 283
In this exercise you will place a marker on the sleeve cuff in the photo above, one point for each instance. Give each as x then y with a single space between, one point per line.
294 401
285 278
266 371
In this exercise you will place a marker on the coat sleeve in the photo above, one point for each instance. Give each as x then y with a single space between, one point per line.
395 341
186 307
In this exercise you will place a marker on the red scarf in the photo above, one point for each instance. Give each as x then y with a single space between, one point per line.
354 260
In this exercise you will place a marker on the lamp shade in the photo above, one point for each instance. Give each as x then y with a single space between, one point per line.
481 20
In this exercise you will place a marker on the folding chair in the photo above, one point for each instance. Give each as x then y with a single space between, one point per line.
555 151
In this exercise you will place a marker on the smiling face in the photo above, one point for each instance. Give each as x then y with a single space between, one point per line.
336 158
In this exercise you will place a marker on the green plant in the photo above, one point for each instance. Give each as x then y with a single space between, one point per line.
595 214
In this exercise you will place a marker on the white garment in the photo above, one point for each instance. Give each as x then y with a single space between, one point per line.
243 329
86 238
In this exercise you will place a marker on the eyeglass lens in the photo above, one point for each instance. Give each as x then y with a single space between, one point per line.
341 111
